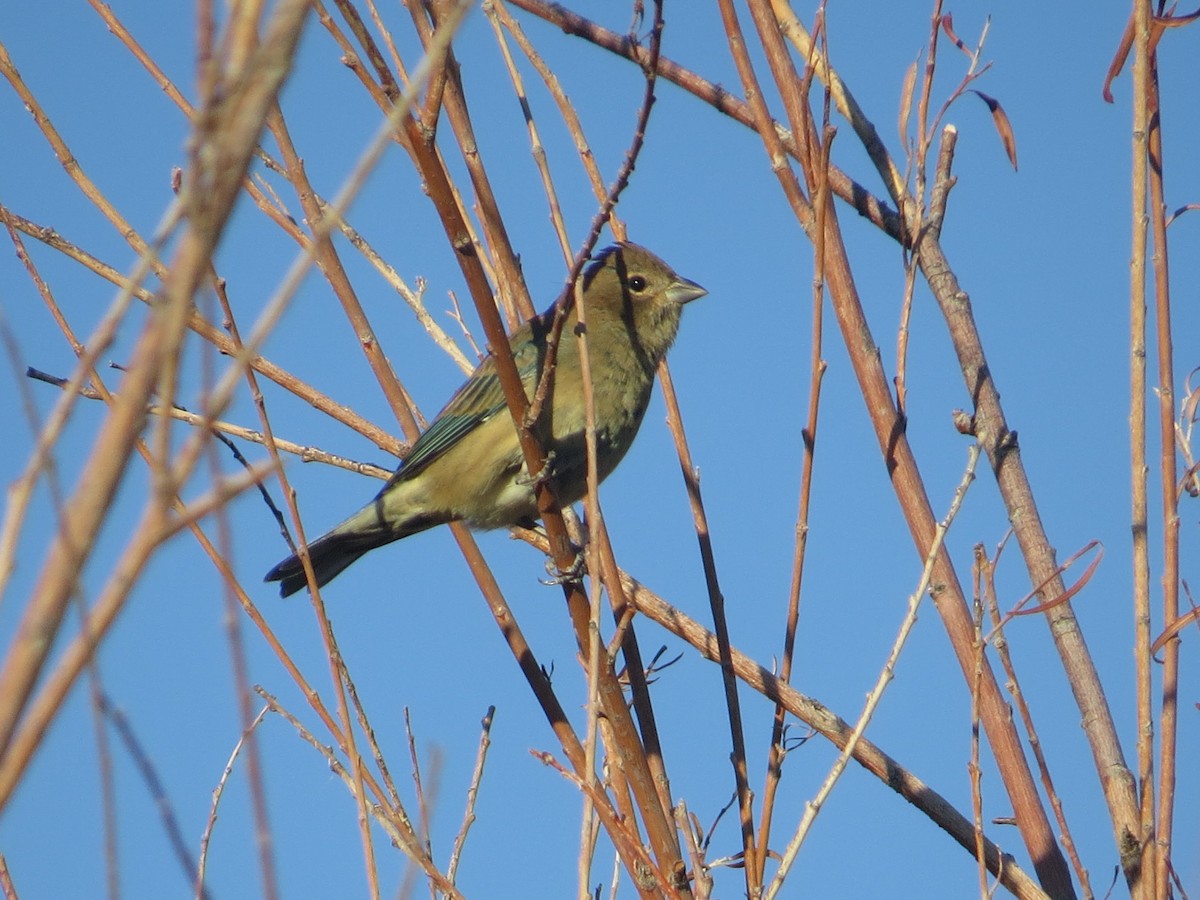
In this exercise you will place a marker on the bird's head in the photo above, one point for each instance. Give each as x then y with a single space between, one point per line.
629 284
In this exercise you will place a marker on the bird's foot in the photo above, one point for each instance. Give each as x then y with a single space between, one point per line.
545 473
573 573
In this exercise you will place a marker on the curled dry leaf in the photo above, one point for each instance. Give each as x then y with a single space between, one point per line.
1170 20
1118 60
1190 482
947 23
1158 24
1172 630
1189 207
1003 126
1069 592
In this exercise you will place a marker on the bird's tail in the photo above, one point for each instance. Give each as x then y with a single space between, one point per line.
335 550
330 554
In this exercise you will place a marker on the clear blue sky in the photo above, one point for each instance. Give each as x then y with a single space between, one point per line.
1043 252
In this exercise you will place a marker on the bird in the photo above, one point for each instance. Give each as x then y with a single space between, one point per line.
468 465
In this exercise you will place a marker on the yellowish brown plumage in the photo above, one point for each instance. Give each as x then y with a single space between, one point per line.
469 464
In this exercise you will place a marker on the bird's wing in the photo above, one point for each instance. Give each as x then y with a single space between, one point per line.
474 403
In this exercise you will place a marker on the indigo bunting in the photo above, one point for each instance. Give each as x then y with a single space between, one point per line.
468 465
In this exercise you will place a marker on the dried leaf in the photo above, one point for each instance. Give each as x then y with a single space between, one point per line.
947 23
1158 25
1071 591
906 98
1174 628
1173 21
1188 207
1118 60
1003 126
1190 482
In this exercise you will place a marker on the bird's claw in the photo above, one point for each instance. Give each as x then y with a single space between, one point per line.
569 575
545 473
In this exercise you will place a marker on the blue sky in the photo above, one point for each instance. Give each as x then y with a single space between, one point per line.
1043 252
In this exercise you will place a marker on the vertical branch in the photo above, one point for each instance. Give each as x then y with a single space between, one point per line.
817 368
1168 721
1142 852
809 435
460 839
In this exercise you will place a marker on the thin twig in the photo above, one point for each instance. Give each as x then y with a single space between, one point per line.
974 769
716 602
401 835
307 453
202 859
460 839
424 803
813 807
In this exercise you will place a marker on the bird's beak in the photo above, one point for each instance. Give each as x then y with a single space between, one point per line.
684 291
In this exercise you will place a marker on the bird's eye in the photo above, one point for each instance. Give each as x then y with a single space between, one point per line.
637 283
